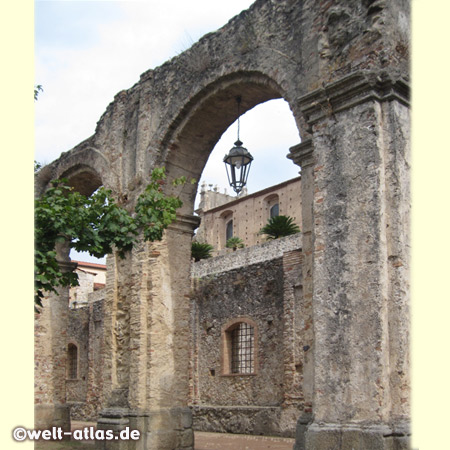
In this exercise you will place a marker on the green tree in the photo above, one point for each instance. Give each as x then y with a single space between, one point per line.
95 224
235 243
279 226
201 250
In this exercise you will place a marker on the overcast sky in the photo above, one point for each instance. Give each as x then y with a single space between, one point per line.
87 51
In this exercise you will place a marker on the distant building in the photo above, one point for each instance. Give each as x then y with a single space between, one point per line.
223 216
91 277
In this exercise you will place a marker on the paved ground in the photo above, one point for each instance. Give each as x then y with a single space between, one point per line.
216 441
203 441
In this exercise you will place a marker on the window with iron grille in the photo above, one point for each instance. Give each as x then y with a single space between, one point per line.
72 361
242 348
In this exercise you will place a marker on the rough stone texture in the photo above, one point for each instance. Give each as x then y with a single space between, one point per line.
270 400
50 346
343 68
246 256
85 330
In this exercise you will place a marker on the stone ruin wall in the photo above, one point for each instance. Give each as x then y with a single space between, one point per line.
239 403
260 282
270 401
85 330
343 67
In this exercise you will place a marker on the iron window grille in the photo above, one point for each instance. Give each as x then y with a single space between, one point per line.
242 349
72 358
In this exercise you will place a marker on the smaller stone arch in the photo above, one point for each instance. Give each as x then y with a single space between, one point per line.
85 168
83 179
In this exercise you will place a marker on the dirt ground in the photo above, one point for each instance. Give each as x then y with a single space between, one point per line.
203 441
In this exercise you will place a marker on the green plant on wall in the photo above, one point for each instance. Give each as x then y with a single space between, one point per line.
200 250
235 243
279 226
96 224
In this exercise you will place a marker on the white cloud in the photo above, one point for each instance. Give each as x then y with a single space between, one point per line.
104 53
81 80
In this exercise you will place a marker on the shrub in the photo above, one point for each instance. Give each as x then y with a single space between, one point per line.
201 250
279 226
234 243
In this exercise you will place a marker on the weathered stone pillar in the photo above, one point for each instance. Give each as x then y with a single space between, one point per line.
51 324
149 387
358 178
302 155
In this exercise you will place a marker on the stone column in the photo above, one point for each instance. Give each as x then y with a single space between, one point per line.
150 390
359 183
50 343
302 155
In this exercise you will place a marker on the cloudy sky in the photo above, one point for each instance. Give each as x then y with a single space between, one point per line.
87 51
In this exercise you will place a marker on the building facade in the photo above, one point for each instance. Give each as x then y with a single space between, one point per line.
223 216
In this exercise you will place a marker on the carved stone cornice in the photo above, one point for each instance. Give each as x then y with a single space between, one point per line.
350 91
186 223
302 154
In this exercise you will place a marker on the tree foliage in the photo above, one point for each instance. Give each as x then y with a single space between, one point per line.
200 250
37 88
96 224
279 226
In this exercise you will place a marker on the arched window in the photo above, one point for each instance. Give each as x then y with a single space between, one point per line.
272 204
229 230
239 340
72 362
226 228
274 210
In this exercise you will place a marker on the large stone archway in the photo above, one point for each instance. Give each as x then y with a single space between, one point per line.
343 68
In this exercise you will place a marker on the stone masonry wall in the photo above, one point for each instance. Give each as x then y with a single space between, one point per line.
343 67
86 332
268 402
229 259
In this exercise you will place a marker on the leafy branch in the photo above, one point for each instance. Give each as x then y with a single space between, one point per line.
96 225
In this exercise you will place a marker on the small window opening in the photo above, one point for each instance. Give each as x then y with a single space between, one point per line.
229 230
72 360
242 349
275 210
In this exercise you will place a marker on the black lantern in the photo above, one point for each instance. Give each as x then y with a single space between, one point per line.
238 161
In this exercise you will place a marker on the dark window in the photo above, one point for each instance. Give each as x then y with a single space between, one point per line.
229 230
242 349
72 360
275 210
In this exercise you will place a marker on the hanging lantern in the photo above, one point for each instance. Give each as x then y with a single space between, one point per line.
238 161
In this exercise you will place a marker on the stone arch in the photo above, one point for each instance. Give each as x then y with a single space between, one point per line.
344 72
193 134
84 168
